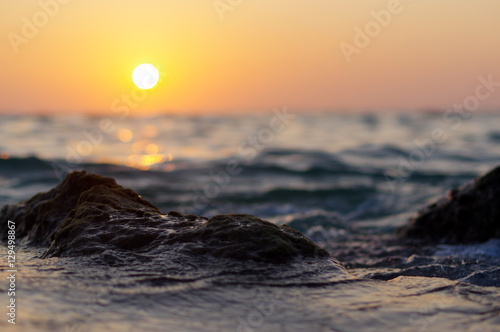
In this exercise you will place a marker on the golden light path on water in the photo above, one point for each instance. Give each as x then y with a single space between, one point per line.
145 152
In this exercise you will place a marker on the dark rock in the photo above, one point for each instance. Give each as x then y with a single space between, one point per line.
175 214
38 218
90 214
469 214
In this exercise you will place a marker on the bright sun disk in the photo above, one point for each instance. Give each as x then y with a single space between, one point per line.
145 76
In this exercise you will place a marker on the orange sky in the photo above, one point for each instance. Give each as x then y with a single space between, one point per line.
263 54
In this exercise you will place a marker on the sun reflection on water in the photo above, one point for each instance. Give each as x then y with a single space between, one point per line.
125 135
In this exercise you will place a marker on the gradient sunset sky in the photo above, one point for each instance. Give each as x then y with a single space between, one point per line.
257 55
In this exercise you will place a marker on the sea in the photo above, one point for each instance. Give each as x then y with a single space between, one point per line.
347 180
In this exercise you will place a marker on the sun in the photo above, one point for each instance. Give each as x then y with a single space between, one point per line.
145 76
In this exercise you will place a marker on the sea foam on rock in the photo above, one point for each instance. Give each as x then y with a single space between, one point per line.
90 214
469 214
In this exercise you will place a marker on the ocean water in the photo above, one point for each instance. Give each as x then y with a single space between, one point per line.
347 181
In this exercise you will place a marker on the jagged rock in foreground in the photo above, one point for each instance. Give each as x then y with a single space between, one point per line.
90 214
469 214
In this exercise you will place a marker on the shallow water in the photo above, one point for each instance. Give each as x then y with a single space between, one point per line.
81 295
343 180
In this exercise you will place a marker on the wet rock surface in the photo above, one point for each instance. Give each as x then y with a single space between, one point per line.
469 214
89 214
